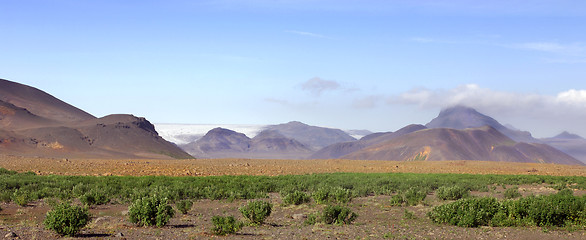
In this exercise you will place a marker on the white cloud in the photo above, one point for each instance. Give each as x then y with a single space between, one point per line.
309 34
575 49
317 85
495 101
543 115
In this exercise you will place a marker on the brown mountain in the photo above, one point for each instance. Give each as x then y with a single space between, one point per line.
571 144
485 143
225 143
312 136
34 123
40 103
461 117
340 149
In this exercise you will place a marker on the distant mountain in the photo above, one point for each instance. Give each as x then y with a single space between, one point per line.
225 143
569 143
461 117
340 149
485 143
311 136
35 123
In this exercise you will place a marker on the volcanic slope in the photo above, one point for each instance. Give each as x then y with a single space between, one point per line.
571 144
485 143
225 143
461 117
35 123
312 136
340 149
40 103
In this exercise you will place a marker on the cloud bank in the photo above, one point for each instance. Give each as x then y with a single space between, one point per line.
474 96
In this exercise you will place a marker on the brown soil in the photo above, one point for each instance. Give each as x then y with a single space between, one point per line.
210 167
377 219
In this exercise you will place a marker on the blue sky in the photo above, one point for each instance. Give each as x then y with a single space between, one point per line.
369 64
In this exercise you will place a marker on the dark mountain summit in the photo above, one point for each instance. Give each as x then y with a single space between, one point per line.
461 117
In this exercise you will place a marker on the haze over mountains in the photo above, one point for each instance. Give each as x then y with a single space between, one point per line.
34 123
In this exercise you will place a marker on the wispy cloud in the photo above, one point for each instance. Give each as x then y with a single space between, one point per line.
317 86
309 34
554 47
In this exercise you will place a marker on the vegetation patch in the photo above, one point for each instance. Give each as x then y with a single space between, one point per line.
256 212
224 225
66 219
150 211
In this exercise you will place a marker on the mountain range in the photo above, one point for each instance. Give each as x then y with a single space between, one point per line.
34 123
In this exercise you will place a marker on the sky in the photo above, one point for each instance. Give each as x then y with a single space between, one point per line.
368 64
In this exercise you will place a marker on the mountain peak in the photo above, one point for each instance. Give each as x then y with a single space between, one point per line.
462 117
567 135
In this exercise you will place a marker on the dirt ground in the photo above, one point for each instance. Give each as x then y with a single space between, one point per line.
377 219
209 167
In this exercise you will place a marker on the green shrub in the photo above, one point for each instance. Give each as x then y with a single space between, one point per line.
225 225
408 214
184 206
296 198
511 193
150 211
338 215
472 212
94 197
321 196
414 196
342 195
21 197
256 211
66 220
397 200
452 193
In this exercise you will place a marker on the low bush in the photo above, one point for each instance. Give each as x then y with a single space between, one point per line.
560 210
94 197
150 211
225 225
66 219
511 193
257 211
296 198
397 200
452 193
338 215
321 196
472 212
184 206
414 196
342 195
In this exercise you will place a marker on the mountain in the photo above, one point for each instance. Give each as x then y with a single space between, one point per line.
485 143
225 143
311 136
569 143
40 103
34 123
461 117
340 149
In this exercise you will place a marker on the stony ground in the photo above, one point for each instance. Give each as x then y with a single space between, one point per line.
377 219
207 167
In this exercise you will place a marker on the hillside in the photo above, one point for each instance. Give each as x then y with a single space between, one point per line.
312 136
340 149
571 144
35 123
461 117
224 143
439 144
